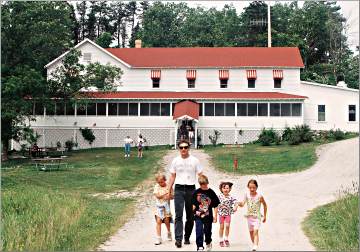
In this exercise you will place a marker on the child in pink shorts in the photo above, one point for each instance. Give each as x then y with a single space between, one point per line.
226 208
254 200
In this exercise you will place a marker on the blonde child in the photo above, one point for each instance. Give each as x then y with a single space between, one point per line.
226 208
162 211
254 200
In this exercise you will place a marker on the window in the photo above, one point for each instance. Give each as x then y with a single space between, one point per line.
91 109
219 109
285 109
39 109
155 109
251 83
165 109
262 109
209 109
87 57
229 109
50 108
144 109
70 108
191 83
274 109
101 109
112 109
352 113
81 109
60 108
242 109
123 109
277 83
133 109
173 107
156 83
296 109
252 109
321 113
224 83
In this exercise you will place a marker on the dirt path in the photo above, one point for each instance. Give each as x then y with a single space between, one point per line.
289 197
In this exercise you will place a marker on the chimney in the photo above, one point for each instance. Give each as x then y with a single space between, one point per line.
138 43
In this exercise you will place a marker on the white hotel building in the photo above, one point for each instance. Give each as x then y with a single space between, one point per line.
226 89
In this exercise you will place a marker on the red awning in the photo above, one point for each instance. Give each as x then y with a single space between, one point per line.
186 109
278 74
223 74
191 74
251 74
155 74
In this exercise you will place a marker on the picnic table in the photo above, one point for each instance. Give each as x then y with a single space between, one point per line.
49 163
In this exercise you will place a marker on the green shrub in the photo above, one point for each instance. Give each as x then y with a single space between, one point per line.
215 137
268 136
88 135
338 134
286 134
295 137
69 145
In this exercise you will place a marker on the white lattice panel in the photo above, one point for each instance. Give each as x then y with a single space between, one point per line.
52 136
156 136
116 136
100 139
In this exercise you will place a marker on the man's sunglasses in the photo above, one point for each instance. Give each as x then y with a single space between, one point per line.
183 147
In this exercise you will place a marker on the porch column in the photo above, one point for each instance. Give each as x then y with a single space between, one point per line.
196 140
176 129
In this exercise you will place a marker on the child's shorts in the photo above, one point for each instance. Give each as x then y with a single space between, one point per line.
253 223
224 219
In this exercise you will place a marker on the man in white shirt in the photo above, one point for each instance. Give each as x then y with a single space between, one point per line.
183 170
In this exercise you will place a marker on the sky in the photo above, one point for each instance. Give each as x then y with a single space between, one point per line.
349 9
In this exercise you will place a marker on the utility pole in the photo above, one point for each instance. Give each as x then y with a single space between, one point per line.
269 25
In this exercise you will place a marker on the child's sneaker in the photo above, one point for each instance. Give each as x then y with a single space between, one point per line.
222 244
227 243
169 238
158 241
254 248
208 247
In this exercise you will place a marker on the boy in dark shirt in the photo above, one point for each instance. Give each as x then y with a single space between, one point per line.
203 201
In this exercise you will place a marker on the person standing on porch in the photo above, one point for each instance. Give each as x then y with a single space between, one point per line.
183 170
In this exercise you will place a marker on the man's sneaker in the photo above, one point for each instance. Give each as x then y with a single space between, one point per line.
125 155
254 248
227 243
178 244
158 241
200 249
222 244
169 238
187 241
208 247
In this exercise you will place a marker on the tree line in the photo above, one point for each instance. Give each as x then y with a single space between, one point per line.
34 33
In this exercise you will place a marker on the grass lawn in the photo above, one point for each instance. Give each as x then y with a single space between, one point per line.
256 159
335 226
55 210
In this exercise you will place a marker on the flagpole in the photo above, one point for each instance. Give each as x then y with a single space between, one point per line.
269 25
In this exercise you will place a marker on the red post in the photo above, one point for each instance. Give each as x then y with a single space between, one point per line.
235 163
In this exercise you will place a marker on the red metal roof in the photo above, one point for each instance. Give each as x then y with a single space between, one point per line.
218 57
186 108
191 95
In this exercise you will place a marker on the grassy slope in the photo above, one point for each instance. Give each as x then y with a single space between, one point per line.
335 226
256 159
54 210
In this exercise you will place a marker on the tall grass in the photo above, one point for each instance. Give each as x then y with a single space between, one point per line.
335 226
52 211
